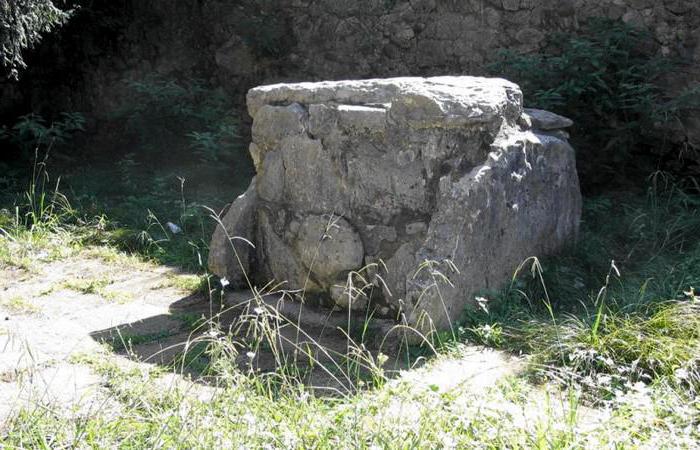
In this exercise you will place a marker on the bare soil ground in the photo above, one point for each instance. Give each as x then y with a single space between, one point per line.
60 311
59 314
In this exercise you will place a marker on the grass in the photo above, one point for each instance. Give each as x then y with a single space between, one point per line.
19 305
609 328
97 286
187 283
127 341
88 285
635 320
246 412
129 212
191 321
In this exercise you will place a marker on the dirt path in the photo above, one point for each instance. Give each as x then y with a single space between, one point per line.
54 314
58 315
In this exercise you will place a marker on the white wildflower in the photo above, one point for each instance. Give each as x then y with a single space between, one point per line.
174 229
212 333
681 374
482 302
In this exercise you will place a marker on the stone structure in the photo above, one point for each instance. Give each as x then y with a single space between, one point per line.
411 181
245 43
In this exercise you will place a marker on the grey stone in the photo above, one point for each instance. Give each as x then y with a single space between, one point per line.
523 201
231 245
633 18
381 190
329 246
374 235
272 124
236 57
642 4
321 40
435 102
311 181
398 273
280 262
416 228
322 120
271 178
361 118
679 6
425 179
530 36
511 5
402 34
545 120
345 296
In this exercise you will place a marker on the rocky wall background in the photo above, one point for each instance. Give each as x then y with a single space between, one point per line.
240 44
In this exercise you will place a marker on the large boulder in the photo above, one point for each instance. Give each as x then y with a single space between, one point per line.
427 189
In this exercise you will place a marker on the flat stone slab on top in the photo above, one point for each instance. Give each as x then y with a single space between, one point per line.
367 190
457 100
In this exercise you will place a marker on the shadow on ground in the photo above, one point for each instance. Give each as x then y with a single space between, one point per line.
326 350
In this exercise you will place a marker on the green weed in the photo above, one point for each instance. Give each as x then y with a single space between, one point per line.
19 305
637 323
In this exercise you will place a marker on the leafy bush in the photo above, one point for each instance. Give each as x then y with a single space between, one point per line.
608 80
167 109
31 133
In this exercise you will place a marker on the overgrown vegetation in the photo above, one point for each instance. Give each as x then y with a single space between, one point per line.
620 340
248 414
161 109
31 133
609 330
634 318
610 81
179 137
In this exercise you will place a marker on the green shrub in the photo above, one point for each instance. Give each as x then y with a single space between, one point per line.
165 114
31 134
608 79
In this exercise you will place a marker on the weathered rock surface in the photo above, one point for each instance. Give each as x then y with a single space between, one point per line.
396 186
546 120
229 253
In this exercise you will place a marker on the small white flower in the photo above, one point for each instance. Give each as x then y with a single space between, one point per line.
224 282
174 229
258 310
482 302
250 355
212 333
681 374
605 380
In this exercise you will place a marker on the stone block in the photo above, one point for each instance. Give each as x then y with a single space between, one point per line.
429 179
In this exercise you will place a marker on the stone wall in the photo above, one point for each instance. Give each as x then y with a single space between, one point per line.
242 44
359 38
